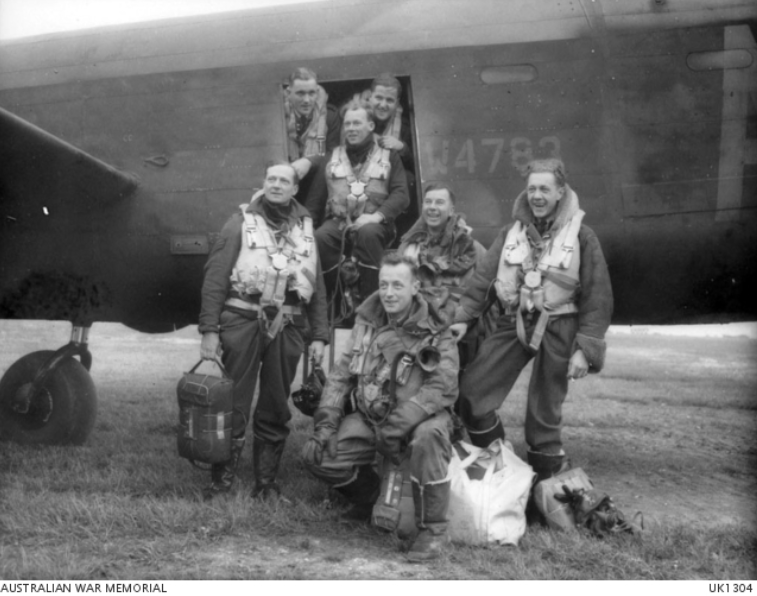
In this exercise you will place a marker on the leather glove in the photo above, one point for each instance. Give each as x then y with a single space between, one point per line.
399 424
326 422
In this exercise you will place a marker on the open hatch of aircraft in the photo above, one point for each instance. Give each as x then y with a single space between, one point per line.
124 149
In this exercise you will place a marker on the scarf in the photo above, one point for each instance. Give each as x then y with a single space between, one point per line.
357 154
277 215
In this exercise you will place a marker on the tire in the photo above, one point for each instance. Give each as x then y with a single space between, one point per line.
71 403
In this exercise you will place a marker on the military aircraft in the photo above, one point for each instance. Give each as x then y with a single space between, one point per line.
124 149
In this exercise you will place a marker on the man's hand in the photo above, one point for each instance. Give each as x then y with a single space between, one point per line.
326 422
315 351
578 367
399 424
301 166
210 346
390 142
458 331
367 218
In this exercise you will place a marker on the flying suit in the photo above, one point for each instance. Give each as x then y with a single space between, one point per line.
417 416
446 262
577 323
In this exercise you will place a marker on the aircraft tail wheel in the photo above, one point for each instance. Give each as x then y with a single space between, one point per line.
63 411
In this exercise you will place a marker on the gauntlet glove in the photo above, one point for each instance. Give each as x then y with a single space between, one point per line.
399 424
326 422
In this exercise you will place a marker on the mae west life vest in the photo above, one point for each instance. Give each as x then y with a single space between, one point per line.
269 268
312 141
351 194
549 284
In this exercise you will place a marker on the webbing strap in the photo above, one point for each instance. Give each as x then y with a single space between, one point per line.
520 329
538 334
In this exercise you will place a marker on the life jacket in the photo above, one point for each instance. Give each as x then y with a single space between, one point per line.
269 268
312 141
548 283
351 194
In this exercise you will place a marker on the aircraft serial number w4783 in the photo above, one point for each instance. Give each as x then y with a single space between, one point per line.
484 155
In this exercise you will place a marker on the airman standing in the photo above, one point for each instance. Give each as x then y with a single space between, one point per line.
552 282
263 301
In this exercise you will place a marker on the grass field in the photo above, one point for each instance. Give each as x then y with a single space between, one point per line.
667 429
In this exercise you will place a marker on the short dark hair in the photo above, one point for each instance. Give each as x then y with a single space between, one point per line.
303 74
272 164
393 258
387 79
355 104
440 186
551 165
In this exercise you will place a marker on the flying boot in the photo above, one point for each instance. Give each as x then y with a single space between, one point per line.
484 438
222 474
431 504
266 458
361 490
545 465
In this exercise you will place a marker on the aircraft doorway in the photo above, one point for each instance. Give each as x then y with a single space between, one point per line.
340 92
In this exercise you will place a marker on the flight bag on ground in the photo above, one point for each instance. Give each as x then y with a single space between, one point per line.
489 492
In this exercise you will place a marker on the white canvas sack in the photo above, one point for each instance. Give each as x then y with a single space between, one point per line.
490 507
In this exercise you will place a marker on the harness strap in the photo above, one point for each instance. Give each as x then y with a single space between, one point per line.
565 282
541 326
560 257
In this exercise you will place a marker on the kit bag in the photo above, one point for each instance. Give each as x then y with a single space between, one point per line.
205 405
489 491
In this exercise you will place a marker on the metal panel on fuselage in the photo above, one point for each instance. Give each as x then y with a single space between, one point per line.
598 104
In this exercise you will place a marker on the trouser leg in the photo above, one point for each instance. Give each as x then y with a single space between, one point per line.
351 471
488 380
430 449
328 240
243 344
549 386
270 419
368 282
369 243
